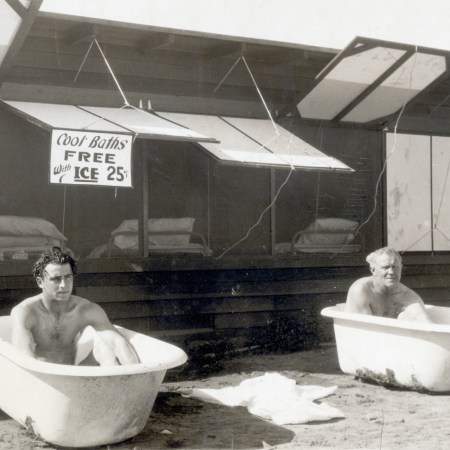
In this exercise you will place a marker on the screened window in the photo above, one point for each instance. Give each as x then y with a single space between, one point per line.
195 204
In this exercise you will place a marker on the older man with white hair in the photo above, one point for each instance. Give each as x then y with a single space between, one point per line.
382 294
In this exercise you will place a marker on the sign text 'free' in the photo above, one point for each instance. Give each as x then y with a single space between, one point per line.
88 157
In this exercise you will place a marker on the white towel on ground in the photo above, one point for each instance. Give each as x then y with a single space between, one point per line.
274 397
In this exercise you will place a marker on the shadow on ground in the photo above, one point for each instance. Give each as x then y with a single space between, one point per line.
322 360
178 422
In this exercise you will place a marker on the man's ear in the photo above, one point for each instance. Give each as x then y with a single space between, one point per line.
372 269
39 282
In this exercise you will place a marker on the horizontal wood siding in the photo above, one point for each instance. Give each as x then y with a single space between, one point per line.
220 304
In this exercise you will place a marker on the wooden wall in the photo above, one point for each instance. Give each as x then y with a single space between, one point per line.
183 306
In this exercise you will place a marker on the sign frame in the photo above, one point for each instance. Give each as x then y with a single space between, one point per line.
82 157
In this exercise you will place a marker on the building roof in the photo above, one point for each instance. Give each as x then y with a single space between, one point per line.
319 23
52 59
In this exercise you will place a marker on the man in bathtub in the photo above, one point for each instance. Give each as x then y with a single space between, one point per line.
48 326
382 294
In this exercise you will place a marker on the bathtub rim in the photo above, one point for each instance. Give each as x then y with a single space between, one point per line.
8 351
335 313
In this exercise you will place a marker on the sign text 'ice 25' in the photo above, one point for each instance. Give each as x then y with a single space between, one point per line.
87 157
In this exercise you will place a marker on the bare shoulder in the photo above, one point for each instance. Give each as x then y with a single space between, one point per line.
86 306
91 313
28 305
360 285
26 310
357 299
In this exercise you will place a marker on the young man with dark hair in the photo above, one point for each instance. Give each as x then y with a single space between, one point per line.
48 325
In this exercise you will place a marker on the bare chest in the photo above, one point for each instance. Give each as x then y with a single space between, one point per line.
55 339
385 306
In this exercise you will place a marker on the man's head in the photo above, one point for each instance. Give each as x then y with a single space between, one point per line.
53 256
386 265
54 272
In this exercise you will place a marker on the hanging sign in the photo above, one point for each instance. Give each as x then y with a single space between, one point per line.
87 157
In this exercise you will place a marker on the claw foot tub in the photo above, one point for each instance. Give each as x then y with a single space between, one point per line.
394 352
83 406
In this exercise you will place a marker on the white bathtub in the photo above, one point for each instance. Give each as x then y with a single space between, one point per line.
394 352
83 406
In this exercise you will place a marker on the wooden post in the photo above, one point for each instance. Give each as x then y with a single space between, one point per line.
273 225
143 217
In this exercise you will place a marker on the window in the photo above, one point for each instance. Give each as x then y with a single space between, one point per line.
197 203
371 79
418 192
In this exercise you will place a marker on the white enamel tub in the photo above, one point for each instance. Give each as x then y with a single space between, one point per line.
83 406
392 351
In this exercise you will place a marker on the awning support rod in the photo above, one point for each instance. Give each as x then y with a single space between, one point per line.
107 65
84 60
260 96
112 73
242 57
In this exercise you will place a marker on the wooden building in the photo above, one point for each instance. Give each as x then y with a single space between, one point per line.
239 270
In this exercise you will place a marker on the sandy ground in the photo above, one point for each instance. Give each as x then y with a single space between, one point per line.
375 417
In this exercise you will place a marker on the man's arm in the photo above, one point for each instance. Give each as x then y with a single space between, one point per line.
357 301
110 337
21 335
414 309
415 312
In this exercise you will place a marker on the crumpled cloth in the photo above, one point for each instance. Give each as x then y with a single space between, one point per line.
274 397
